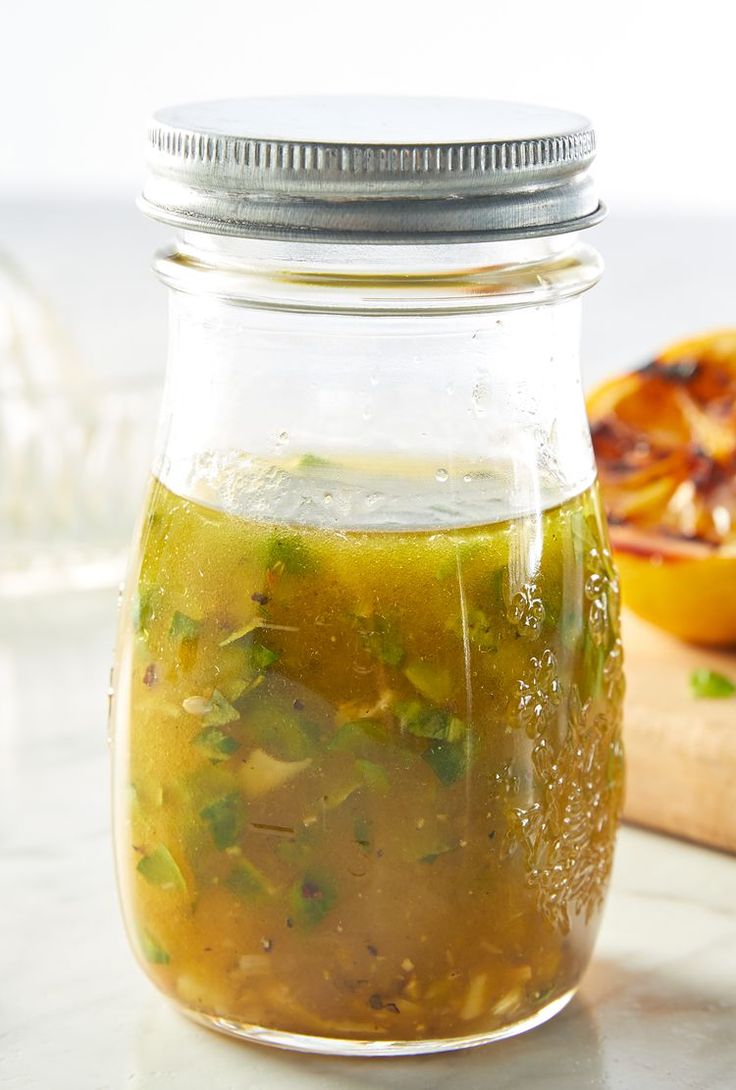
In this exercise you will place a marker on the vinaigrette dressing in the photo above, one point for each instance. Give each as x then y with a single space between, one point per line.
373 782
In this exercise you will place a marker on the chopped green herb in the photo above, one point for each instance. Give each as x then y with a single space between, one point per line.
262 657
275 725
183 627
496 585
374 775
246 881
311 898
207 782
221 711
313 461
151 949
290 554
446 759
217 743
431 681
427 721
357 736
710 685
239 687
226 818
161 869
143 609
381 639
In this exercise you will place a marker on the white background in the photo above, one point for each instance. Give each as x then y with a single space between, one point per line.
79 78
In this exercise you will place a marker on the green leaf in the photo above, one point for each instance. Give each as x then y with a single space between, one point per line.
161 869
426 721
313 461
312 898
357 736
226 819
217 743
274 725
446 759
290 554
381 638
143 610
151 949
240 686
374 776
183 627
496 583
246 881
221 711
431 681
262 657
710 685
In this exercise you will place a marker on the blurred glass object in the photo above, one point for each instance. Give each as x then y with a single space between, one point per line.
74 454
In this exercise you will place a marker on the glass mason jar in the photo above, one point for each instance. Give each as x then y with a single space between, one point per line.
368 764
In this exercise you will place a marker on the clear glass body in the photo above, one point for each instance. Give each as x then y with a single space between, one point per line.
368 765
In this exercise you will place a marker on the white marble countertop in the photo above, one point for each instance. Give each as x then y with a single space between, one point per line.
656 1010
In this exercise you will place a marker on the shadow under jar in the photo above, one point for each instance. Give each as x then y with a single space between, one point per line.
368 763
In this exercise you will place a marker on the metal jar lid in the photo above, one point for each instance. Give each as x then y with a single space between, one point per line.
371 169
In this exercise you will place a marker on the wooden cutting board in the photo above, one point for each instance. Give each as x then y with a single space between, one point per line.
681 751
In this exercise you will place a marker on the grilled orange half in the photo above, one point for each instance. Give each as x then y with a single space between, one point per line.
665 443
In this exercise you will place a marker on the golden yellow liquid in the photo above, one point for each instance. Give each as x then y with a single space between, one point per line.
367 782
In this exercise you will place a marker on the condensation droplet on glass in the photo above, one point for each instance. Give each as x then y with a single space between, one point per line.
442 475
467 477
373 498
328 499
283 437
